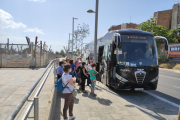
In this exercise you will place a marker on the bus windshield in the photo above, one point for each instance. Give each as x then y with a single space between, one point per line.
137 51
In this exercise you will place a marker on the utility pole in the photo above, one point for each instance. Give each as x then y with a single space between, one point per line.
72 36
69 44
96 27
95 35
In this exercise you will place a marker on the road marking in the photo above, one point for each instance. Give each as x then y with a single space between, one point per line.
170 72
169 77
176 87
162 99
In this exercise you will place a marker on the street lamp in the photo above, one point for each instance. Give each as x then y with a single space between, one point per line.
90 11
73 36
95 33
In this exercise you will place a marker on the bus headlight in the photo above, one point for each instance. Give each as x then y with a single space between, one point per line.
155 79
121 78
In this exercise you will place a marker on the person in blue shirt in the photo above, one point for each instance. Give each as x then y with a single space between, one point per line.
59 69
72 68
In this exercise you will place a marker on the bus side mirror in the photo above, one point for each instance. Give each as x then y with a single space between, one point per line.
165 41
117 40
118 43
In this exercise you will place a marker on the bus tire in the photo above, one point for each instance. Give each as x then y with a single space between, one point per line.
109 86
154 88
132 89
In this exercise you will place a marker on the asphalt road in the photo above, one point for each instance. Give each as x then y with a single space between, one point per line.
168 86
168 89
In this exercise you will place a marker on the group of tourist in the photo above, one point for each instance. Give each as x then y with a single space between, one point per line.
72 72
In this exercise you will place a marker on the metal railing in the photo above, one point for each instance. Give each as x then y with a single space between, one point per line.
35 101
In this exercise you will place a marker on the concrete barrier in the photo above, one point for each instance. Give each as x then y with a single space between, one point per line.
179 114
53 105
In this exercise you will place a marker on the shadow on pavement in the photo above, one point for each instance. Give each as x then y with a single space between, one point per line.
167 97
156 108
76 101
100 100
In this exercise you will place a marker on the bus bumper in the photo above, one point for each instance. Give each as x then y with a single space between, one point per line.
147 85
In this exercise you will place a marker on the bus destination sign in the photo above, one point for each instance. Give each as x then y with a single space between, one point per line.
137 37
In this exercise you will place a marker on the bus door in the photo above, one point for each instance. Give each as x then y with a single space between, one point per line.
99 67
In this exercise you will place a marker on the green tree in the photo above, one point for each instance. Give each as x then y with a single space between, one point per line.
62 53
158 30
26 50
172 35
57 53
81 32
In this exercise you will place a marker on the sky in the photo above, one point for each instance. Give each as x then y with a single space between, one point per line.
51 20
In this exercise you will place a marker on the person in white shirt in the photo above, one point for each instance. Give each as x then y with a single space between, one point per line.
68 97
89 65
88 68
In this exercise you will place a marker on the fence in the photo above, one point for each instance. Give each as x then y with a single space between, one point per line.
24 55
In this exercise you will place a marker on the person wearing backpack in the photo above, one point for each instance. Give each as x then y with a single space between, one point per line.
68 96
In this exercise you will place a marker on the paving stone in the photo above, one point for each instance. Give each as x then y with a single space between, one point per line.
106 106
12 100
14 83
5 111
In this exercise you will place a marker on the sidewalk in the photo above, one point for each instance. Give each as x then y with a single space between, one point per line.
14 84
106 106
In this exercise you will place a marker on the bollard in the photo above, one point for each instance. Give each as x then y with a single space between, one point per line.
36 108
179 114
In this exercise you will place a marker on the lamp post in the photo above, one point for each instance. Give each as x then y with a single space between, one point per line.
96 27
73 37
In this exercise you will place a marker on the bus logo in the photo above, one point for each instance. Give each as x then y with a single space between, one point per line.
140 69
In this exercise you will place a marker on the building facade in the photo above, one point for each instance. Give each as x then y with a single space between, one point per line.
163 18
168 18
175 17
123 26
117 27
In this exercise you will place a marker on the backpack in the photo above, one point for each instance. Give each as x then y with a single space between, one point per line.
59 85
